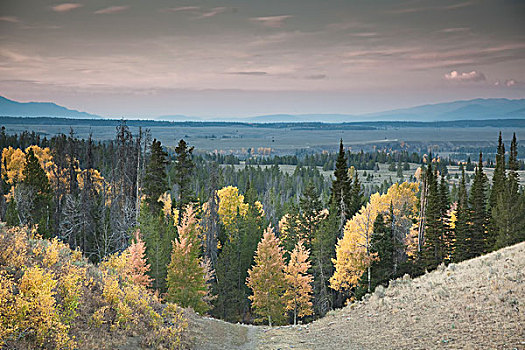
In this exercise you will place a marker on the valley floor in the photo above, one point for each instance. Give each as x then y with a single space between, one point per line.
478 304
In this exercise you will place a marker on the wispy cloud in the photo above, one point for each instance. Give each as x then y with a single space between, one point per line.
431 8
249 73
182 9
454 30
66 7
111 10
508 83
10 19
474 76
271 21
316 76
213 12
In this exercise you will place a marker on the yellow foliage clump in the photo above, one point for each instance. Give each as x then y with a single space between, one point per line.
231 202
49 294
353 254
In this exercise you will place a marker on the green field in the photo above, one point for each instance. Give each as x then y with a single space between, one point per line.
239 138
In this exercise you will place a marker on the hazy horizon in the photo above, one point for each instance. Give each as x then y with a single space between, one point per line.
231 59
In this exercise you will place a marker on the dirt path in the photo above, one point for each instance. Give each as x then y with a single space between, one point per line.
478 304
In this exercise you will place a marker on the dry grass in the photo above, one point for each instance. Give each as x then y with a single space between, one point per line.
478 304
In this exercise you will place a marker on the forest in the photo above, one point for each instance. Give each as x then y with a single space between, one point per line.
254 244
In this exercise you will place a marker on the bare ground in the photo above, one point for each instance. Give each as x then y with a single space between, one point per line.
478 304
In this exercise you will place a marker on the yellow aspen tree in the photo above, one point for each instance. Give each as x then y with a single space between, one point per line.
231 202
299 283
353 254
267 279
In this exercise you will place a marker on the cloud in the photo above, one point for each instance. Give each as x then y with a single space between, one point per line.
250 73
10 19
66 7
316 76
111 10
508 83
432 8
473 76
212 12
271 21
454 30
182 8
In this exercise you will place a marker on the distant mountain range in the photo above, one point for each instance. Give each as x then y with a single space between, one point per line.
39 109
477 109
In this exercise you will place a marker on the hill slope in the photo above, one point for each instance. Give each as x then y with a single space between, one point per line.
39 109
477 304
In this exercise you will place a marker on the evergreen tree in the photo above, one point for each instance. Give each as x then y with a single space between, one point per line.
236 257
299 283
323 251
158 233
383 245
155 182
508 216
267 280
35 179
433 249
356 199
478 211
341 189
448 232
462 225
499 188
184 168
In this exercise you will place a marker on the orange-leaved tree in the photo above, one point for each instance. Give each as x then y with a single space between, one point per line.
267 279
137 262
299 283
187 272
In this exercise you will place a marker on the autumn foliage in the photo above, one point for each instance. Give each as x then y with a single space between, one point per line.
299 283
52 298
267 280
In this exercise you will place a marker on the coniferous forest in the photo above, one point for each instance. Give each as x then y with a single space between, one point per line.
253 244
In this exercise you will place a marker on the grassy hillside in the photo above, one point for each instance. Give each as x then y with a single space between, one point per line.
477 304
52 298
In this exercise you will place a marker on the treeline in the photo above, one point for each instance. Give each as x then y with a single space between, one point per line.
360 160
255 243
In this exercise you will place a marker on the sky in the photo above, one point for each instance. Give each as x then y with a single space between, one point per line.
239 58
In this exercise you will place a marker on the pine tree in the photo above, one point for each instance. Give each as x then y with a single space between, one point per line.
323 243
499 189
341 189
356 200
34 175
35 179
158 235
155 182
184 168
433 248
448 232
187 272
237 255
311 215
508 218
383 245
267 280
299 289
478 211
462 225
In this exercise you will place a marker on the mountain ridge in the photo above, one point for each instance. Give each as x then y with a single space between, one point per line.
474 109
